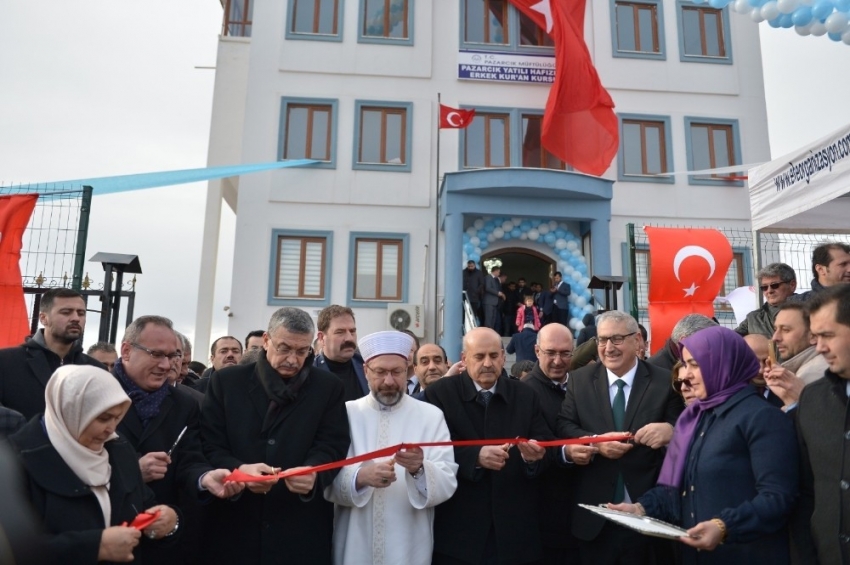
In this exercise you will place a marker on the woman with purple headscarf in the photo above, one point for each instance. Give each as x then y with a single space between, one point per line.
730 474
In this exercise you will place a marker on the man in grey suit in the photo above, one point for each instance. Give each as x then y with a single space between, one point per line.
492 294
620 394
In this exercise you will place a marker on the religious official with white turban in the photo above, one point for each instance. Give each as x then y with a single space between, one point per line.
385 507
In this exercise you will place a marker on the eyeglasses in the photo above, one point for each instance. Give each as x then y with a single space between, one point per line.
158 355
556 354
382 373
679 383
286 350
771 286
615 339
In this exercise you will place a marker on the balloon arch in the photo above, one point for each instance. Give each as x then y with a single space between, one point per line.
807 17
557 236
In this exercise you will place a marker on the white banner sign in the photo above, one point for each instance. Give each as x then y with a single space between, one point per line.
505 67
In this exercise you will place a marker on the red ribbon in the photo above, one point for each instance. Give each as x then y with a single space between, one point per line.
238 476
143 520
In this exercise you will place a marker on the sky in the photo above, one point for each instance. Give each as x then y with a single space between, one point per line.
97 87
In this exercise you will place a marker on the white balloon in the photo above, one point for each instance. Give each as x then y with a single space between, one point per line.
770 10
568 270
803 30
543 229
516 222
479 249
474 240
742 6
573 323
553 225
581 301
507 225
471 231
478 224
523 235
576 252
560 244
787 6
572 245
818 29
576 276
533 234
845 38
491 237
756 16
579 325
836 22
498 233
589 308
584 282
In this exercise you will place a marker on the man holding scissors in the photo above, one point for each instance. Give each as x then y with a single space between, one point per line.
162 426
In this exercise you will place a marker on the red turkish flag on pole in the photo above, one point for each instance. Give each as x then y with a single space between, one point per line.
455 118
579 124
15 212
687 270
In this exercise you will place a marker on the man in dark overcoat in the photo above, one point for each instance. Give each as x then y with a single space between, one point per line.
277 413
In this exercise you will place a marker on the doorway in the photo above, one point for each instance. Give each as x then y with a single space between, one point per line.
518 262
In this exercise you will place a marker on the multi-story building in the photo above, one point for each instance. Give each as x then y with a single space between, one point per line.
395 206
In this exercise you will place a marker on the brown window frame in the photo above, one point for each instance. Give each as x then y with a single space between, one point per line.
311 108
302 262
384 111
241 25
487 116
712 156
543 151
387 22
703 10
541 38
317 10
636 8
644 124
486 25
381 243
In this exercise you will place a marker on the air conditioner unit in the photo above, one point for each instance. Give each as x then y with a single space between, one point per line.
407 317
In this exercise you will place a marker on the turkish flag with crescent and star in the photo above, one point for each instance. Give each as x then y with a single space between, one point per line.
15 212
454 118
687 267
579 124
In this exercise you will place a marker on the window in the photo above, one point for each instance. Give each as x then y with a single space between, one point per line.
383 136
386 21
498 25
237 18
298 273
638 29
645 148
734 279
500 137
712 144
703 34
315 19
379 267
308 130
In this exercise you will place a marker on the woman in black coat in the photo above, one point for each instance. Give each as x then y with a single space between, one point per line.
83 481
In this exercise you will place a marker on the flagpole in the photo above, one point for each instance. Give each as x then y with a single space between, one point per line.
437 231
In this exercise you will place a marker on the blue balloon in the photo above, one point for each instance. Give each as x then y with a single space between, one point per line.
562 234
775 22
822 8
802 16
550 238
564 255
786 21
467 248
465 237
719 4
482 235
756 3
507 236
525 225
516 232
834 36
488 226
535 222
842 5
475 257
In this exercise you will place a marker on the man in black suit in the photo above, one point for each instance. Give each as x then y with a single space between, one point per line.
493 515
177 474
490 301
25 369
277 413
560 293
621 393
549 378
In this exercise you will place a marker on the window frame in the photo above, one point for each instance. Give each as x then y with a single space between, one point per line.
300 35
406 137
667 178
274 257
247 19
659 30
681 6
404 240
285 103
361 22
513 45
690 121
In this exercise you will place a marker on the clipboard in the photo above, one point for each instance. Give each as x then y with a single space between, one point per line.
641 524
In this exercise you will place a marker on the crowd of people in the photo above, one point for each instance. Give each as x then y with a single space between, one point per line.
738 437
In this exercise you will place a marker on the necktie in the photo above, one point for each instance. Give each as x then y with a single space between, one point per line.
619 410
484 397
410 388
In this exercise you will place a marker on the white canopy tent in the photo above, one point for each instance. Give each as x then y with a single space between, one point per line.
806 191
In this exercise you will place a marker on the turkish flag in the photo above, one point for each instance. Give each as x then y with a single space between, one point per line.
687 270
454 118
579 124
15 212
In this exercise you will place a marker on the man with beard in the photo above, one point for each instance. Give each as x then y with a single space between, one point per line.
25 369
226 351
493 515
277 413
338 334
385 507
830 266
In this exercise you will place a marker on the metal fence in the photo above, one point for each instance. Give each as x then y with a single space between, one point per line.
748 256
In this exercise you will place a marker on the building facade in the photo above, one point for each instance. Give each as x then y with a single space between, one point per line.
387 218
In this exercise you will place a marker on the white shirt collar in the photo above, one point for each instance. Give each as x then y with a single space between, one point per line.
629 377
491 389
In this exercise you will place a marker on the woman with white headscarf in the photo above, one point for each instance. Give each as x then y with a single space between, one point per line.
83 480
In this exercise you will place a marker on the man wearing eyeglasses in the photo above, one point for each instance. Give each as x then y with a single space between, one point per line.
171 459
385 507
276 414
621 393
777 282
